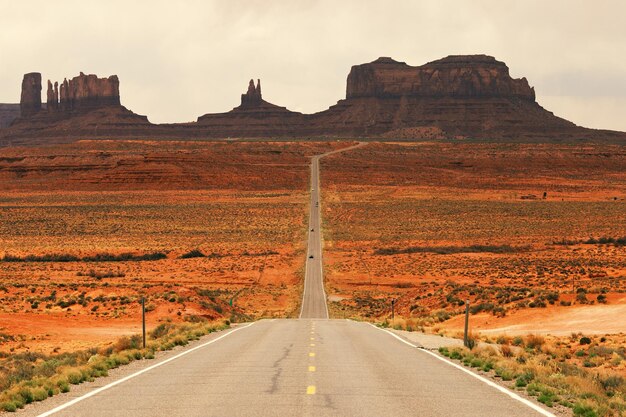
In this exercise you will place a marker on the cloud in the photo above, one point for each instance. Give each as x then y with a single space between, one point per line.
178 60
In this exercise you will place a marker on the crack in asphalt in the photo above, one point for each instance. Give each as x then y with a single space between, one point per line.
279 370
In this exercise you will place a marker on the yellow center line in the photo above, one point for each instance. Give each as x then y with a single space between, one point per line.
312 339
310 390
312 344
311 368
312 354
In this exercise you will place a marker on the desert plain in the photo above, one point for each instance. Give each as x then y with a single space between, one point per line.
531 234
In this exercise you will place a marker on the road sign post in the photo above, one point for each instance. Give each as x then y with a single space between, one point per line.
393 304
143 321
465 335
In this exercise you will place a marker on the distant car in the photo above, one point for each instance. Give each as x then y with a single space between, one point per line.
310 256
312 230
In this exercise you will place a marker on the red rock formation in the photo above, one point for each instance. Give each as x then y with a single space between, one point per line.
252 97
30 102
254 117
88 92
454 76
466 96
470 96
53 96
83 106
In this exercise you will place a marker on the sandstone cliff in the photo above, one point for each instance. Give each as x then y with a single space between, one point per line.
254 117
454 76
82 106
459 97
30 101
462 96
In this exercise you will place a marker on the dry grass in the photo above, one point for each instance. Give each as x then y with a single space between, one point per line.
558 371
27 378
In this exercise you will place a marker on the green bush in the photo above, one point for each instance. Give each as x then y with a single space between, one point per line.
583 410
39 394
524 379
9 406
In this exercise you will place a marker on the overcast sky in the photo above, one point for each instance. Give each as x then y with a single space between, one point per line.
177 60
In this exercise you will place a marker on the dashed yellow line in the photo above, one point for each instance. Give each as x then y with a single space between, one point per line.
312 344
310 390
311 368
311 354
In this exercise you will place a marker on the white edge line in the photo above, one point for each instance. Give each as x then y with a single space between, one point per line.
126 378
321 237
492 384
306 253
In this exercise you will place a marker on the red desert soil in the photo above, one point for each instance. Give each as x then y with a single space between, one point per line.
433 224
242 205
556 321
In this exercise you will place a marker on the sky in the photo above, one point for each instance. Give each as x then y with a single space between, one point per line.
177 60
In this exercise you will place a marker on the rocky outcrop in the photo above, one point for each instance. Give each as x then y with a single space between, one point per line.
52 102
84 93
455 77
82 106
252 98
469 96
30 102
462 96
254 117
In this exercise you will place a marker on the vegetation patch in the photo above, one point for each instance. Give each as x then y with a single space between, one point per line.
448 250
100 257
31 376
543 370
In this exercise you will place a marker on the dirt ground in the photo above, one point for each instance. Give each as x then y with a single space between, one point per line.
243 206
428 224
434 224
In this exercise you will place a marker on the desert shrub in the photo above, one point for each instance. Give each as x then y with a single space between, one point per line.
504 372
161 330
584 340
446 250
552 297
584 410
264 253
506 351
611 383
107 257
52 257
524 379
477 308
9 406
581 297
100 257
194 253
534 341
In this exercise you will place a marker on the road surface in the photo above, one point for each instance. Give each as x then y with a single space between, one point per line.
311 366
302 368
314 297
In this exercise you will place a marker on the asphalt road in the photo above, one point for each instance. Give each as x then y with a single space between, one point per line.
314 297
311 366
302 368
